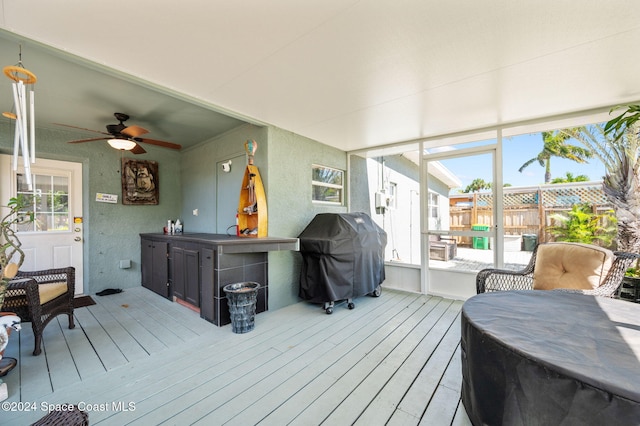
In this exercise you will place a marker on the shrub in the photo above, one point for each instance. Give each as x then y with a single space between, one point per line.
582 225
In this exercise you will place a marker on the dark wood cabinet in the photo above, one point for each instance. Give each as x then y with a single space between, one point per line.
155 273
176 260
198 266
192 276
207 271
185 272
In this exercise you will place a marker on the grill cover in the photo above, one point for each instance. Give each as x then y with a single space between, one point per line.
343 257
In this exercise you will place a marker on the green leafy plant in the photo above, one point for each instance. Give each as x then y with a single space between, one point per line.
569 177
616 145
619 124
582 225
555 145
10 252
476 185
634 271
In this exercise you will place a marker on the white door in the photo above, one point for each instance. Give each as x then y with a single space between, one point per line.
443 275
55 238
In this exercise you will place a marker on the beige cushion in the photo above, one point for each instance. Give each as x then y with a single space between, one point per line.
50 291
571 265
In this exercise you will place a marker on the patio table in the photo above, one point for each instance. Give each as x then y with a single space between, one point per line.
550 357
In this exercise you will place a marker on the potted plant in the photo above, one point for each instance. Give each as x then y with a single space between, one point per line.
630 288
634 272
11 258
618 127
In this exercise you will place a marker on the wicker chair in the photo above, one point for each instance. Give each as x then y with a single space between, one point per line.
489 280
40 296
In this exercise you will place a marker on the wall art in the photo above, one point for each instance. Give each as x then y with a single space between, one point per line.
139 181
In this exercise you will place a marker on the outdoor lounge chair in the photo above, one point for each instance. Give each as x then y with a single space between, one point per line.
442 248
572 267
40 296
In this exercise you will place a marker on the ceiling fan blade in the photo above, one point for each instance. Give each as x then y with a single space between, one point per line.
138 149
87 140
134 131
160 143
82 128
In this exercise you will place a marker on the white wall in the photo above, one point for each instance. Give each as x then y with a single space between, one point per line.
402 220
457 285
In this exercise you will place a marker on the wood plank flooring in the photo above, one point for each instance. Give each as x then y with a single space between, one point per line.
136 358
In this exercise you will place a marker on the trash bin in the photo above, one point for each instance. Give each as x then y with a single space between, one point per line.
481 243
529 242
242 298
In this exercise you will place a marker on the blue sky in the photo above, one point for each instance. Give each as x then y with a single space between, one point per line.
516 151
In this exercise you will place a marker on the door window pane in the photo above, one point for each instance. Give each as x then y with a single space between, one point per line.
49 202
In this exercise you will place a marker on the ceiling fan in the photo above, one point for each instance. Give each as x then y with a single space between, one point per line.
121 136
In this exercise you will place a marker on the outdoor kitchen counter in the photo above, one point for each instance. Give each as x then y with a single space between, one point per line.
195 267
231 243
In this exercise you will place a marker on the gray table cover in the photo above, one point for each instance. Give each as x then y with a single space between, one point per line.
550 358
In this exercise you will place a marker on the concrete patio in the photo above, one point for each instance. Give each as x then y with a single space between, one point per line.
469 259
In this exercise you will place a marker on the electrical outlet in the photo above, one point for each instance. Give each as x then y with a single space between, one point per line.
195 212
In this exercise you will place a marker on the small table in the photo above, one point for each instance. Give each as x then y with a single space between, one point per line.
550 357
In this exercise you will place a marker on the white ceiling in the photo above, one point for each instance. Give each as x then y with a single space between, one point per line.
349 73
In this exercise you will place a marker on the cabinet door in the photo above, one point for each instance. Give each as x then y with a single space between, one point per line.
177 272
154 267
160 269
192 277
207 302
146 259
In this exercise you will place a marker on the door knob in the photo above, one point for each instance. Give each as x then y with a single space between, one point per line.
77 239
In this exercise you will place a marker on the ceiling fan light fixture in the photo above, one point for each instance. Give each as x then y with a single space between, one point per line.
122 144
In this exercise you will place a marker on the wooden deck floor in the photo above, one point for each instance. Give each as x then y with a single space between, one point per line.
136 358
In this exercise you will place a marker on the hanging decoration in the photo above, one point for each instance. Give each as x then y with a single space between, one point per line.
250 146
24 138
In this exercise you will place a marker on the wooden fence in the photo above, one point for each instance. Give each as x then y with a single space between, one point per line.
526 210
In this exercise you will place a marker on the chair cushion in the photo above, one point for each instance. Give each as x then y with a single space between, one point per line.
50 291
571 265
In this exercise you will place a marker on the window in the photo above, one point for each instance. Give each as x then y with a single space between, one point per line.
434 208
50 202
327 185
393 192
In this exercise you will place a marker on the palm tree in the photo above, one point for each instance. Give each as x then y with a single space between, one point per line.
619 152
476 185
554 145
569 177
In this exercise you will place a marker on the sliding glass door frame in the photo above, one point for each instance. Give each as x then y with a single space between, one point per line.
495 232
